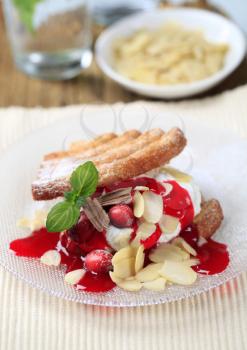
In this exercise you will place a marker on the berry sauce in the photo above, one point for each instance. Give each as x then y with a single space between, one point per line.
36 244
91 282
213 256
83 238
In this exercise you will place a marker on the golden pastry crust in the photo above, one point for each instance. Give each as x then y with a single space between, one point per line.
97 146
209 219
125 156
150 157
81 146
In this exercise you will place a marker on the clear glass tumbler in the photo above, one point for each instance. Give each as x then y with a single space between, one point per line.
50 39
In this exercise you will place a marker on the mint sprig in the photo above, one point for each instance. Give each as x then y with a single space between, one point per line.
64 215
26 10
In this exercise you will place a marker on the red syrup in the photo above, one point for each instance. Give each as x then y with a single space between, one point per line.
35 245
39 242
213 256
95 283
178 203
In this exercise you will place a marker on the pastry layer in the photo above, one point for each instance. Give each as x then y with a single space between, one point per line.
125 156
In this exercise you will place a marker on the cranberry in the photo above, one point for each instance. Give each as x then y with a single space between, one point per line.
121 215
98 261
82 231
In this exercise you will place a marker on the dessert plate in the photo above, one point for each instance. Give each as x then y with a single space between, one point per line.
219 165
215 27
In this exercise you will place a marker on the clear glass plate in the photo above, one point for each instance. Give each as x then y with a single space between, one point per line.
217 159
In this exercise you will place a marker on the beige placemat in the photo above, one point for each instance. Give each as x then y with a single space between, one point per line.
31 319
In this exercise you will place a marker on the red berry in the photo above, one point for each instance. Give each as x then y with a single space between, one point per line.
121 215
83 230
98 261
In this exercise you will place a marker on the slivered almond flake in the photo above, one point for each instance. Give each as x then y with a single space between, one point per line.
73 277
156 285
132 286
124 253
168 187
141 188
124 268
153 207
149 273
166 251
138 204
177 272
140 257
51 258
191 262
169 224
180 242
177 174
115 278
144 231
131 278
96 214
119 196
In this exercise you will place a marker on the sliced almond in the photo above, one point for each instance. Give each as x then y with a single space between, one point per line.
51 258
168 187
131 278
138 204
156 285
166 251
153 207
149 273
141 188
132 286
124 253
115 278
191 262
180 242
169 224
140 257
177 174
73 277
177 272
144 231
124 268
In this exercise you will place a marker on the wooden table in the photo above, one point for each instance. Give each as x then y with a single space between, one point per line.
90 86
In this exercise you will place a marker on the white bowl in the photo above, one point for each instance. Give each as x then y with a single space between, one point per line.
215 27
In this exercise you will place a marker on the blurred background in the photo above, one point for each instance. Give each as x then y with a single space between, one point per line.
47 55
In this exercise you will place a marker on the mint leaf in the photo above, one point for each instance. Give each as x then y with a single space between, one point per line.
80 201
62 217
84 179
26 10
70 196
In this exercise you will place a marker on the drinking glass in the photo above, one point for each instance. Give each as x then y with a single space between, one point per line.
50 39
